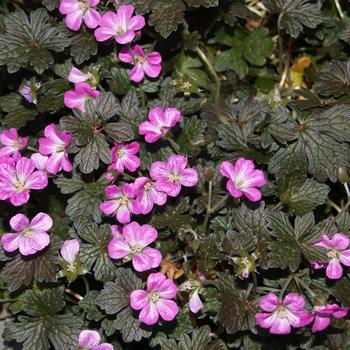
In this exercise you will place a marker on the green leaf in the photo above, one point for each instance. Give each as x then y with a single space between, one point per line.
114 299
301 194
320 146
84 205
119 82
205 3
20 271
51 4
292 243
83 46
174 215
18 113
341 290
50 95
88 304
247 47
334 79
192 135
44 326
166 16
237 312
27 41
148 155
294 14
94 254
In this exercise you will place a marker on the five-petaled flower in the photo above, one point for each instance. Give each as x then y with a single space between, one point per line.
77 98
121 25
13 143
120 203
90 340
29 237
323 314
149 64
18 178
171 175
147 195
54 145
124 156
159 123
133 245
156 300
78 11
338 251
243 179
280 315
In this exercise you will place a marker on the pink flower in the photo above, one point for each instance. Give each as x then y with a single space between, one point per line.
171 175
149 64
13 143
147 195
29 237
281 315
324 313
77 98
79 11
77 76
121 203
243 179
120 25
123 156
90 340
70 250
133 245
26 92
160 122
156 300
55 144
195 302
39 160
337 252
17 179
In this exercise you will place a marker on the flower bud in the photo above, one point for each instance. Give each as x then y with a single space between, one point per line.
343 176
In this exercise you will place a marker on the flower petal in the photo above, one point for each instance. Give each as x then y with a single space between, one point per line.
88 339
167 309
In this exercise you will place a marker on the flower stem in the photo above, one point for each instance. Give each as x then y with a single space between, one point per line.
305 286
286 284
174 146
74 294
346 186
339 9
33 149
212 71
86 284
220 204
207 216
334 205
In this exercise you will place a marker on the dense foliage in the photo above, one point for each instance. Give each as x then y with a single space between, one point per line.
174 174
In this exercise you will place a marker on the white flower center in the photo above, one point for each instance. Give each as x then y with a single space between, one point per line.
27 233
120 153
154 297
20 185
333 254
186 85
83 5
124 200
71 268
239 183
173 178
140 59
281 312
148 186
59 148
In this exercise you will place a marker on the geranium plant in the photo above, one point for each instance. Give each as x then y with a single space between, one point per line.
174 174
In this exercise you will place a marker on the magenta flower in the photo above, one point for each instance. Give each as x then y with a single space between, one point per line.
281 315
39 160
324 313
133 245
243 179
79 11
123 156
120 25
29 237
337 252
70 250
155 301
171 175
76 76
77 98
147 195
90 340
121 203
12 142
160 122
149 64
195 302
17 179
54 145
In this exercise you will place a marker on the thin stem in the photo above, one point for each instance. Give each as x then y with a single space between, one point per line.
334 205
280 43
305 286
207 216
220 204
278 206
74 294
128 176
101 88
255 281
86 284
174 146
33 149
339 9
346 186
286 284
143 96
269 289
212 71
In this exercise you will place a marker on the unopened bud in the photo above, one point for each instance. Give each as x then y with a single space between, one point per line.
343 175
